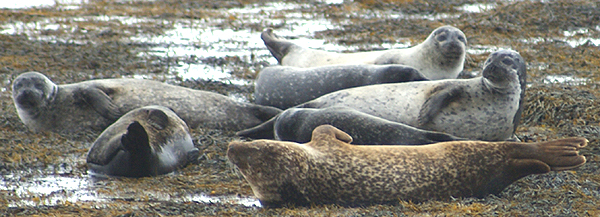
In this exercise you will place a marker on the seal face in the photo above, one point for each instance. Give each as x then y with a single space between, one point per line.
147 141
287 86
297 124
95 104
328 170
482 108
440 56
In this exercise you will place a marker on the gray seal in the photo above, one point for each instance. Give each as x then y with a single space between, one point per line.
147 141
329 170
95 104
287 86
297 124
440 56
482 108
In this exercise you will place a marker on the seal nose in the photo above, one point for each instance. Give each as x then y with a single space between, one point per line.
28 98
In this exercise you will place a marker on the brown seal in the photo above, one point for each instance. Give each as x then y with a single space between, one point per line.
328 170
95 104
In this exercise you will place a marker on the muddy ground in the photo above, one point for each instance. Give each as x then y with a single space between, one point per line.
559 40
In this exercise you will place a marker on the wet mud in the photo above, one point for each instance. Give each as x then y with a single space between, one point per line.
215 45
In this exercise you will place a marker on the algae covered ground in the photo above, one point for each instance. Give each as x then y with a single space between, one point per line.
216 46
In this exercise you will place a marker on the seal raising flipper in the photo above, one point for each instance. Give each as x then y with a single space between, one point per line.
148 141
440 98
328 170
101 103
278 47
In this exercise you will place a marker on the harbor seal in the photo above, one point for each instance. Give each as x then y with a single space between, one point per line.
287 86
482 108
297 124
146 141
440 56
95 104
328 170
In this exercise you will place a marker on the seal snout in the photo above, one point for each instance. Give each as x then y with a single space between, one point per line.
29 98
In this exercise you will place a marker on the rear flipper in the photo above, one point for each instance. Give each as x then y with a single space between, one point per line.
262 131
278 47
441 137
562 154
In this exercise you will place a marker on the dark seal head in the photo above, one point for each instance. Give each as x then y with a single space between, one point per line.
328 170
32 93
147 141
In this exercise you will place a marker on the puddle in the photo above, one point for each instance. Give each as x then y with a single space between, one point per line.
55 190
565 79
476 8
63 4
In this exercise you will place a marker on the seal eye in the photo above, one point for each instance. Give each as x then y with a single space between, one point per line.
507 61
441 37
460 38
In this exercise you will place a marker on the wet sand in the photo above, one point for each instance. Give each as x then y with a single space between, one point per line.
215 45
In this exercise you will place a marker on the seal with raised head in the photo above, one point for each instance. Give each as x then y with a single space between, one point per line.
95 104
287 86
440 56
297 124
482 108
146 141
329 170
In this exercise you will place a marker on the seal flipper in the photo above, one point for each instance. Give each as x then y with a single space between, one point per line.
278 47
102 103
265 130
158 119
440 98
264 113
137 144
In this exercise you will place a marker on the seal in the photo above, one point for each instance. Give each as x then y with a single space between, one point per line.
95 104
287 86
297 124
328 170
440 56
482 108
146 141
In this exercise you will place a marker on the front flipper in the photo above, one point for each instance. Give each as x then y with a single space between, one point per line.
101 103
136 140
158 119
439 98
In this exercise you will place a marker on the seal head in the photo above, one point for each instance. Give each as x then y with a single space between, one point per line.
147 141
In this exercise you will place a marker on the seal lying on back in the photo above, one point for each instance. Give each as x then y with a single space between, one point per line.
483 108
45 106
328 170
286 86
147 141
297 124
440 56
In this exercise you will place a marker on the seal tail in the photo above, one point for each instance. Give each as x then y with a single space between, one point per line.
261 131
277 46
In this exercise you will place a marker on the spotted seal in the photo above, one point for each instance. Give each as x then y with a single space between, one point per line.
146 141
287 86
482 108
44 106
297 124
440 56
328 170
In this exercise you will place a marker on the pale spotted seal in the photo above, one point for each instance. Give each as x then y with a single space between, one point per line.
297 124
440 56
482 108
328 170
146 141
95 104
287 86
